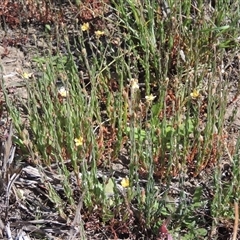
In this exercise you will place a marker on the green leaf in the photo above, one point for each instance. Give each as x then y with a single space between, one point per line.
156 109
109 188
197 195
221 29
170 204
139 134
48 27
201 232
169 131
189 127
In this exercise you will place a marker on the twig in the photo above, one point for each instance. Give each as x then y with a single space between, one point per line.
77 224
8 231
235 228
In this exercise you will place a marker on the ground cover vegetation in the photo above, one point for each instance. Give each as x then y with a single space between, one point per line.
123 134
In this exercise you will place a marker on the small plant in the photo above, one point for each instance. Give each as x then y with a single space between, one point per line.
128 116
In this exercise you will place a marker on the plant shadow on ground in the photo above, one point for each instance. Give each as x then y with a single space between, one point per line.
124 134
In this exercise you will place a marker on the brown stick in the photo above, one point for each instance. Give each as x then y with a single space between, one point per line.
235 228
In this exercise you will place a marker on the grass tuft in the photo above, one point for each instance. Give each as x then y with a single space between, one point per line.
146 87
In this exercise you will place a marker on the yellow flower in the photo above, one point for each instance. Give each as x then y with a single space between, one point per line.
63 92
78 141
125 182
134 84
150 98
26 75
195 94
99 33
85 27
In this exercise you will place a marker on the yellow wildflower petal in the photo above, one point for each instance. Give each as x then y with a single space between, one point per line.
194 94
150 98
99 33
26 75
134 84
78 141
125 182
85 27
63 92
